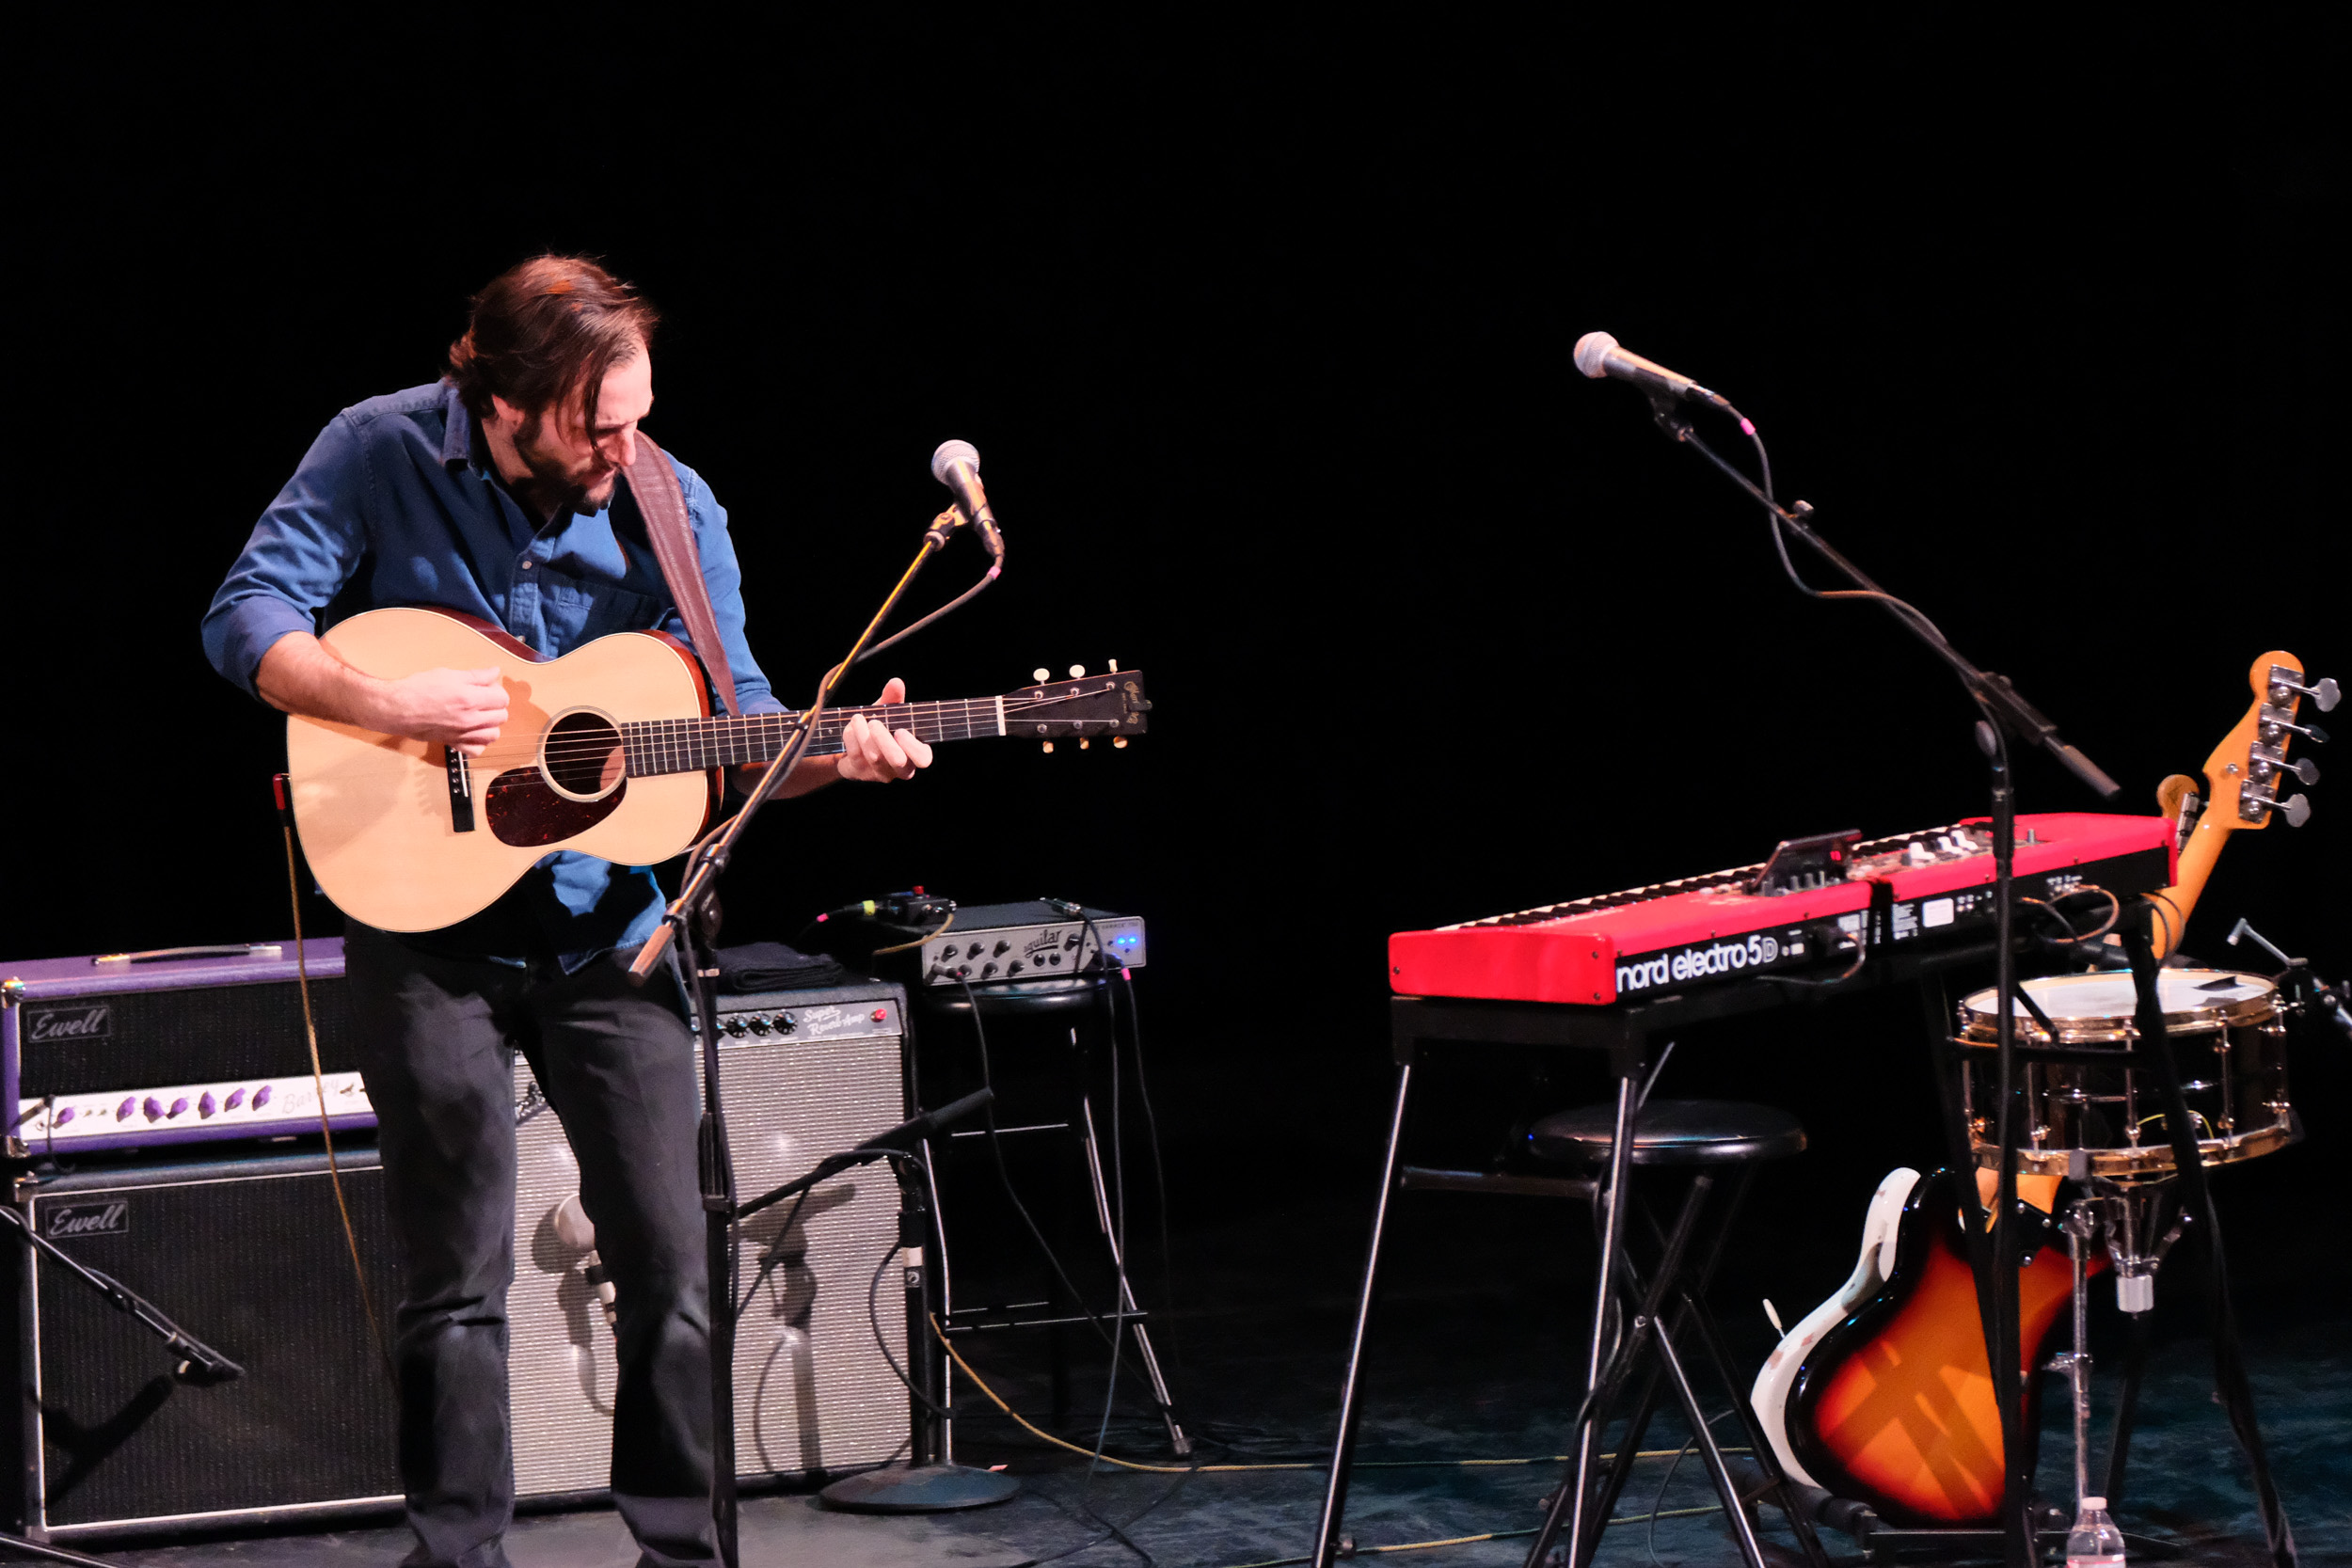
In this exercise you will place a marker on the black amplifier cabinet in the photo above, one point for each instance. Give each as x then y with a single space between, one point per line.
140 1051
249 1256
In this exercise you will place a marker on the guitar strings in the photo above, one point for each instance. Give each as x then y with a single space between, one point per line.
702 731
837 718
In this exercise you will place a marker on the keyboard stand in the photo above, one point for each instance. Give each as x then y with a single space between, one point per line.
1627 1032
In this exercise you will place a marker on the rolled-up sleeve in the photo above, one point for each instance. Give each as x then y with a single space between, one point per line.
306 547
723 575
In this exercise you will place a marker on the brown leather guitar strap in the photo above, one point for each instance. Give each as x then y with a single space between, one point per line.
662 504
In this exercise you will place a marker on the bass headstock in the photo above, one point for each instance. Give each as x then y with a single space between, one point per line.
2250 765
1081 707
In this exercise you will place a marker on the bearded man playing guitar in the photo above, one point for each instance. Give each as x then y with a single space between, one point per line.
497 493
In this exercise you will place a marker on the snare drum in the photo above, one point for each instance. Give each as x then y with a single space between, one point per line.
2106 1117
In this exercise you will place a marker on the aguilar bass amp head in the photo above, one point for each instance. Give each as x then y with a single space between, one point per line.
192 1045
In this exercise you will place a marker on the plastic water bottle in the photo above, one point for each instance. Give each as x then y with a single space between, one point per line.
2094 1541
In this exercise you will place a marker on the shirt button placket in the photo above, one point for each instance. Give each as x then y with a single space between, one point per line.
526 617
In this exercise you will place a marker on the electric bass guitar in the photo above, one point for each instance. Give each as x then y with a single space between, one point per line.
2243 779
1882 1394
610 751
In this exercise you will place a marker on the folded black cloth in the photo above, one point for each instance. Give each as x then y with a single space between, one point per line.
759 966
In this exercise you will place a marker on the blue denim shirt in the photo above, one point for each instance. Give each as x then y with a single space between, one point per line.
396 503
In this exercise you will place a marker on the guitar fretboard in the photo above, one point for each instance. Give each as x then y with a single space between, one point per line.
691 745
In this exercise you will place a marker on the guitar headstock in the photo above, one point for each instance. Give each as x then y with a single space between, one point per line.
1080 707
2250 765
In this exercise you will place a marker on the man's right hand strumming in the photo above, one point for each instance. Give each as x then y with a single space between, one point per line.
464 708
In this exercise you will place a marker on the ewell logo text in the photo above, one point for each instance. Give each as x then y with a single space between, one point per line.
67 1220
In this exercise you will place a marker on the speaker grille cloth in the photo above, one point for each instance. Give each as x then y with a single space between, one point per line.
811 1390
253 1264
197 1035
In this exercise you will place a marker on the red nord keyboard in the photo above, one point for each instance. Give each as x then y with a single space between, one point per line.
1817 904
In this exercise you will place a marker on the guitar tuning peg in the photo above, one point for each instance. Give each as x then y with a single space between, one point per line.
2273 726
1119 742
2266 764
1049 748
1084 743
1041 674
1077 672
1114 666
2297 809
2324 696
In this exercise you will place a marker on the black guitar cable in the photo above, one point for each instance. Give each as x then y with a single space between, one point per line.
279 788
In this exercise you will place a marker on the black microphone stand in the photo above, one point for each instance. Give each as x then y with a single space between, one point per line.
2005 715
688 939
199 1364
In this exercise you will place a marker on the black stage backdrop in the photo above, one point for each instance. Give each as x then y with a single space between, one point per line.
1264 328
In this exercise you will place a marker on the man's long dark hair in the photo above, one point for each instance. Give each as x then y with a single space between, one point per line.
544 332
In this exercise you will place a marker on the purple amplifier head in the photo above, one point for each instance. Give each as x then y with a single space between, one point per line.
123 1051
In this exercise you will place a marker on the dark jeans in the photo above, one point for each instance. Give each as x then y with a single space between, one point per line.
617 1063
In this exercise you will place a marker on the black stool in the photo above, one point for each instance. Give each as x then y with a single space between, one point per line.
1064 1002
1710 1138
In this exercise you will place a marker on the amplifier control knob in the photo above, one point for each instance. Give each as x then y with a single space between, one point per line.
759 1027
207 1106
123 1111
1013 967
154 1108
236 1098
179 1107
735 1027
987 969
63 1116
260 1097
787 1022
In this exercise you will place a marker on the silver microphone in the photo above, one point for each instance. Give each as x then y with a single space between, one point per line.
1598 356
956 464
576 1229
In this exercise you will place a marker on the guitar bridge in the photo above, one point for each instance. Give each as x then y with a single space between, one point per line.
460 790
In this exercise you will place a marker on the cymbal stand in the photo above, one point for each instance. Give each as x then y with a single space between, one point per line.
2081 1224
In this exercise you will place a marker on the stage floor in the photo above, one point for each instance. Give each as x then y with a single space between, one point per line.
1474 1357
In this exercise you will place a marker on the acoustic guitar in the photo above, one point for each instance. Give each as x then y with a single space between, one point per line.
1882 1394
610 751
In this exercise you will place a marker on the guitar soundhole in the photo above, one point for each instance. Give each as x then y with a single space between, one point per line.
582 754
